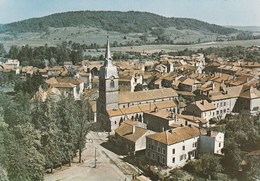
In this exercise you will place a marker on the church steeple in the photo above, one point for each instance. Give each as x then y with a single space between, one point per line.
108 70
108 59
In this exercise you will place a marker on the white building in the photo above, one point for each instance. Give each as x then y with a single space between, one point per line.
173 148
202 109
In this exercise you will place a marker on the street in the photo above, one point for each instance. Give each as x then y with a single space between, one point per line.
109 166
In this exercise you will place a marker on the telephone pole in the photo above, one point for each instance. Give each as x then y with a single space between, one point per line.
95 158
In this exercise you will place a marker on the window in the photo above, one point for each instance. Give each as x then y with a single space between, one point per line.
152 147
195 144
163 159
112 84
158 149
173 160
183 157
224 103
163 151
173 151
149 145
219 145
183 147
153 156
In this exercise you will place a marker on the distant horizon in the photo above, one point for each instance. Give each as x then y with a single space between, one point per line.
220 12
130 11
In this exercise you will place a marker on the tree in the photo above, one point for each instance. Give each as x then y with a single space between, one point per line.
207 166
19 146
3 174
30 85
210 165
83 125
45 121
2 50
242 133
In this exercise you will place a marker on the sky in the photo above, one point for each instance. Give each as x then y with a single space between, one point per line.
222 12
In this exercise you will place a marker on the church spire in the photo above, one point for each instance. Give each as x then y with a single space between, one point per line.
108 59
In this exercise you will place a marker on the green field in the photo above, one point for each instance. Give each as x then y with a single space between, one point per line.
88 35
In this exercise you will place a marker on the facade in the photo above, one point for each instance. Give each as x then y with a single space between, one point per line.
212 142
202 109
173 148
130 137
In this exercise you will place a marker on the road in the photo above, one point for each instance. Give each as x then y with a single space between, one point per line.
109 165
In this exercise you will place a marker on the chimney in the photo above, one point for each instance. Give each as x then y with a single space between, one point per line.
202 102
133 129
170 130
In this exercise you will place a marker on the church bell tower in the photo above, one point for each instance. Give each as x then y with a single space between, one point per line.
108 84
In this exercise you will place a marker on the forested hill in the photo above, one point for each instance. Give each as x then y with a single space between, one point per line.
124 22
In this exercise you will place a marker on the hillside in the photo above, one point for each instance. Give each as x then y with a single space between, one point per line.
124 22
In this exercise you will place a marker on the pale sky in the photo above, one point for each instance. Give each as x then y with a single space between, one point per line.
222 12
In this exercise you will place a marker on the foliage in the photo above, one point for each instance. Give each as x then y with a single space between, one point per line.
2 50
3 174
36 135
124 22
30 85
242 134
207 166
37 56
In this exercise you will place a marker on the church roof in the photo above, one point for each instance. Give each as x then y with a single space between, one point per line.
127 97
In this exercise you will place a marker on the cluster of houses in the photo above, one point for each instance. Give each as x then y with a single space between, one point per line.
165 108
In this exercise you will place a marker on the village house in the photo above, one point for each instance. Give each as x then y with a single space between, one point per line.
160 120
65 86
130 137
173 148
189 85
202 109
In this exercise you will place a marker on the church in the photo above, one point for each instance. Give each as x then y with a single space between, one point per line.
114 107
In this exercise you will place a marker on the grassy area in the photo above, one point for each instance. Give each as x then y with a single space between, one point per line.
89 35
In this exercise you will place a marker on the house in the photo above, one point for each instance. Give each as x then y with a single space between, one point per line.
202 109
249 99
160 120
189 85
130 137
67 86
212 142
191 120
173 148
